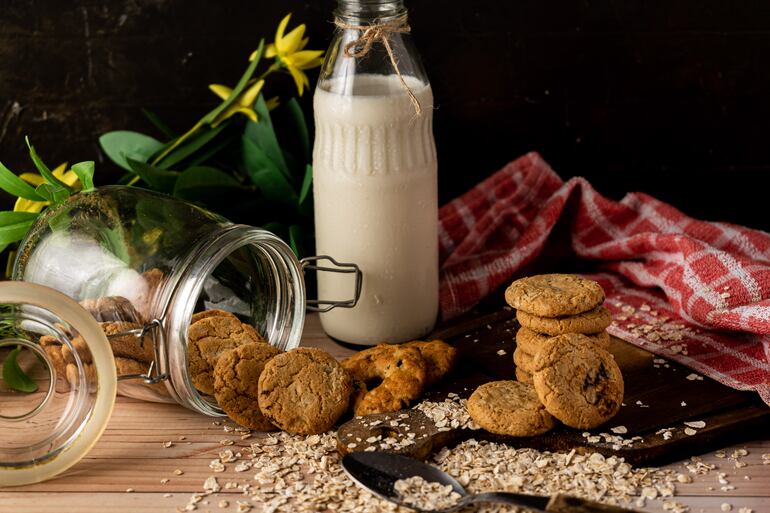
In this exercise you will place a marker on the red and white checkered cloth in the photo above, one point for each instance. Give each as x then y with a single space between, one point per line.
664 273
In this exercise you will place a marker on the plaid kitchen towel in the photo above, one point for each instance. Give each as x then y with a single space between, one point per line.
696 292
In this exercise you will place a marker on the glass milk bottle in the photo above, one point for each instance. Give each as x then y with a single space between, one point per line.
375 181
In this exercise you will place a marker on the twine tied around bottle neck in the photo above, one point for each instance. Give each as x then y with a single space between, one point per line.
380 31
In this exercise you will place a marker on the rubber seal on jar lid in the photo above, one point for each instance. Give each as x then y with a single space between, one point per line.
45 432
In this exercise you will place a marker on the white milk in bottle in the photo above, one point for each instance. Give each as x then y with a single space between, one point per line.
375 193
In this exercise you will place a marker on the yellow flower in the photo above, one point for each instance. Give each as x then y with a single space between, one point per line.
289 51
244 104
25 205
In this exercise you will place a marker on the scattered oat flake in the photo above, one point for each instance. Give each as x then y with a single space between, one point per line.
745 510
620 430
501 352
129 490
683 403
726 506
164 481
167 444
223 504
689 431
211 485
178 472
694 377
226 442
697 424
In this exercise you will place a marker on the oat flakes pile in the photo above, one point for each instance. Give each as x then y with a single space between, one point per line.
279 472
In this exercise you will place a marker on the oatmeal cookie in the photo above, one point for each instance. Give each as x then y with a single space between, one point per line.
579 383
523 376
440 358
125 345
531 342
207 340
210 313
554 295
593 321
509 408
236 384
304 391
390 378
523 361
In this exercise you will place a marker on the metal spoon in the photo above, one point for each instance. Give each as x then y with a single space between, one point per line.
378 472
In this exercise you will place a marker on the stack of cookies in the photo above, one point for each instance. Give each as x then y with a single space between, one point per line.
550 305
563 369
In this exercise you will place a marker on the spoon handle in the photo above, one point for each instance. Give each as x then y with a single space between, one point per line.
557 503
561 503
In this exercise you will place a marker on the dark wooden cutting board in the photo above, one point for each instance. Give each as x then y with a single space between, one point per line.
657 396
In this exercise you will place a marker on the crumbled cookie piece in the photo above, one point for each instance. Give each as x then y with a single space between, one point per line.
388 378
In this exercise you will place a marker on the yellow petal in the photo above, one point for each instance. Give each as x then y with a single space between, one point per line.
282 28
291 41
299 78
221 90
304 59
271 51
70 178
250 95
59 171
25 205
32 178
249 113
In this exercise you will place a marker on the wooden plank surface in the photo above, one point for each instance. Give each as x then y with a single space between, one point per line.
131 455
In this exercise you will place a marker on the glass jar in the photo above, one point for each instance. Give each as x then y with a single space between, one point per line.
113 278
375 175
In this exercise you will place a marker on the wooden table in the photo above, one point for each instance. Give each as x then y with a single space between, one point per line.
131 455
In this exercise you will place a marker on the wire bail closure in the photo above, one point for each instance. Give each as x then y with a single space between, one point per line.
324 305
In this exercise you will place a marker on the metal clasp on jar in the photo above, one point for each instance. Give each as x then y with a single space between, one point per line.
324 305
153 374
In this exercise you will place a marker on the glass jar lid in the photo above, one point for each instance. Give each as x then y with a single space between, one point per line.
59 387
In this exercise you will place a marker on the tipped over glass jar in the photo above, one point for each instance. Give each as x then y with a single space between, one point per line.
107 285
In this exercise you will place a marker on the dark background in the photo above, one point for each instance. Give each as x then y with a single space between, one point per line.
664 97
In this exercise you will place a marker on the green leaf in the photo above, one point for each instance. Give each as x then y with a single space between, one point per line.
239 87
158 179
274 184
263 135
296 240
85 172
195 144
12 184
298 120
162 127
45 172
15 225
210 151
123 144
52 193
200 182
14 377
307 184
